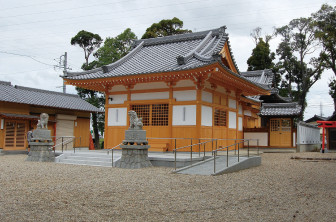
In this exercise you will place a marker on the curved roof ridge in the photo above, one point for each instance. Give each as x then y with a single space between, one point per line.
184 59
208 46
126 57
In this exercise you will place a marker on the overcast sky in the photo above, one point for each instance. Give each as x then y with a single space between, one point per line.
35 33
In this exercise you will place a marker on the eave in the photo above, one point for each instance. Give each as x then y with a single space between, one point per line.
216 73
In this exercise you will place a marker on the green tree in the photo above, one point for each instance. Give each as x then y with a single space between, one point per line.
89 42
262 57
325 31
298 39
115 48
165 27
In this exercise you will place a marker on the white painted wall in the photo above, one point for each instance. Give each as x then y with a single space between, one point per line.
232 120
232 104
184 115
152 85
262 136
184 83
187 95
240 123
240 110
118 88
206 116
117 117
117 99
150 96
247 113
206 96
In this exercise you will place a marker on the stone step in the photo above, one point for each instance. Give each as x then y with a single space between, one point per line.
85 162
89 158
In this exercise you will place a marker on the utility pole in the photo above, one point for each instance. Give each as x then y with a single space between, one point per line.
63 63
321 109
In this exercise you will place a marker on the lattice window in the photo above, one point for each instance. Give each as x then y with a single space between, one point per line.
152 115
160 114
143 112
275 125
220 117
20 134
286 125
10 134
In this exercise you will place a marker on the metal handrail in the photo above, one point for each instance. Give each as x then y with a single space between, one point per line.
66 142
108 151
235 145
199 144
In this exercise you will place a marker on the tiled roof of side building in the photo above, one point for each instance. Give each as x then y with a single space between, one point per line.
263 77
38 97
165 54
280 109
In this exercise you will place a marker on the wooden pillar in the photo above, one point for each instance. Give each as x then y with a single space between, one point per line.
198 112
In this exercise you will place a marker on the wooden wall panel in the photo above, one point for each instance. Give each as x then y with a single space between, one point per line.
82 131
115 136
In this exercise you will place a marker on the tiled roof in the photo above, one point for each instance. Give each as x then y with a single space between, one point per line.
262 77
280 109
38 97
18 116
165 54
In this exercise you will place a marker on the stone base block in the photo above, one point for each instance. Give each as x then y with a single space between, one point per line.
134 157
39 152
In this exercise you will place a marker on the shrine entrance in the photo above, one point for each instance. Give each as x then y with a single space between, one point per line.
280 132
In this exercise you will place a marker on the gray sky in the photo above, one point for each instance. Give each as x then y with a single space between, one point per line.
35 33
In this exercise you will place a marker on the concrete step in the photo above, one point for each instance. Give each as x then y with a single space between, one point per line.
86 162
207 167
87 159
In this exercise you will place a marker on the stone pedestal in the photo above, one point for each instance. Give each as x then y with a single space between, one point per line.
134 157
40 145
39 152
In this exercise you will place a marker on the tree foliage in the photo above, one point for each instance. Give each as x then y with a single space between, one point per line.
262 57
298 41
165 27
115 48
88 42
325 31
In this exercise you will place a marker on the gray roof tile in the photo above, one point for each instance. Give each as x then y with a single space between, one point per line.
280 109
38 97
160 55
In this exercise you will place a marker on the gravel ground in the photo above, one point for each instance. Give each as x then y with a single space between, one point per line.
281 189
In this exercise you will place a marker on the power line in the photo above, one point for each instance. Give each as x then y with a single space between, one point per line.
28 56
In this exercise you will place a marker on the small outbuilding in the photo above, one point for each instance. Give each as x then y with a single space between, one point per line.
20 108
277 114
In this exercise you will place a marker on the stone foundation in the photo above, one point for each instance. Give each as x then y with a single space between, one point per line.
39 152
134 157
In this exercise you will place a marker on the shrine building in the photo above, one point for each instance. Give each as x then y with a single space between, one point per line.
182 86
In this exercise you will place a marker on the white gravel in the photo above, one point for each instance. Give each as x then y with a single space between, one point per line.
281 189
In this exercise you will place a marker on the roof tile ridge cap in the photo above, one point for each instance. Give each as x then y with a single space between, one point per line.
208 46
70 74
174 38
44 91
5 83
200 45
241 77
125 58
232 56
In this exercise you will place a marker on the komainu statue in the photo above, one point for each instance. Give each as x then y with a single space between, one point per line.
43 121
135 122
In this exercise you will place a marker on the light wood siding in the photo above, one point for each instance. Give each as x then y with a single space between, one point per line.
82 131
65 128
